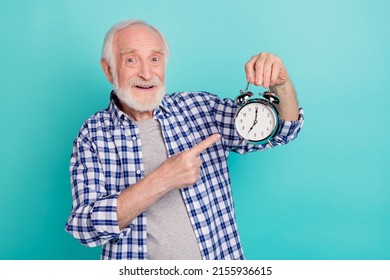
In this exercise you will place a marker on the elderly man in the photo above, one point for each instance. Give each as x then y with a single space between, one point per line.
149 173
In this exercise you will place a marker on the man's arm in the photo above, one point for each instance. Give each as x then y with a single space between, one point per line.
175 173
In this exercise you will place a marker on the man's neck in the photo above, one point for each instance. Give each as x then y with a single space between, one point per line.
133 114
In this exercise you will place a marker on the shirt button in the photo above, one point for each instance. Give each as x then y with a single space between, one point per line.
140 249
138 172
134 138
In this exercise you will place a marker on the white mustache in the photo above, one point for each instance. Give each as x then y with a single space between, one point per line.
139 82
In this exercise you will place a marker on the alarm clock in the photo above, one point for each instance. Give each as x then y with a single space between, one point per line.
257 119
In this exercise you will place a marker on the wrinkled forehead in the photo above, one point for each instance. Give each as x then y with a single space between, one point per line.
138 38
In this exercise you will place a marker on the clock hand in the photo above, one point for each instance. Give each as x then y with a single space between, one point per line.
256 114
255 121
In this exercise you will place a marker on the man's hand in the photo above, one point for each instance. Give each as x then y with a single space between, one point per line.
183 169
266 70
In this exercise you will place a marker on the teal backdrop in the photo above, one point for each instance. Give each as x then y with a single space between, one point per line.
324 196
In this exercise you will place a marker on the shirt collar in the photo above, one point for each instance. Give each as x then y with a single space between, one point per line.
117 115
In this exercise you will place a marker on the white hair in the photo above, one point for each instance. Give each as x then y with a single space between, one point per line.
107 51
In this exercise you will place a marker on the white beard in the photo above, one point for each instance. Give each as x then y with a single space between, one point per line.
148 102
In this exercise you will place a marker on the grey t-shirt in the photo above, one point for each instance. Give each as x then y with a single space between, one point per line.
169 230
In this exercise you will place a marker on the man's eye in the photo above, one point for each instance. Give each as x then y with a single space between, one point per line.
130 60
155 59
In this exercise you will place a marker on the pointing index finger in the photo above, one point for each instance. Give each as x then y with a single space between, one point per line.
201 146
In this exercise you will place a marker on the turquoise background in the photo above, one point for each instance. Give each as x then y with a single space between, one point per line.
324 196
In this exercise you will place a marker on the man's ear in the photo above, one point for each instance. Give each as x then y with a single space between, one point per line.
107 70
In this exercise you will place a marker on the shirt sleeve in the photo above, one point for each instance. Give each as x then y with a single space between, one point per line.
288 130
93 219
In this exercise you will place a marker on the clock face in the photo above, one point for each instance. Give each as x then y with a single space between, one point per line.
255 121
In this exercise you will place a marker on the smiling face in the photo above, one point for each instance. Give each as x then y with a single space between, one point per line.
138 72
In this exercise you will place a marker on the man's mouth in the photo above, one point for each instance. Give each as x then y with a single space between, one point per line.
144 86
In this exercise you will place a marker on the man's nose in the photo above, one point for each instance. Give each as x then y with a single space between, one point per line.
145 71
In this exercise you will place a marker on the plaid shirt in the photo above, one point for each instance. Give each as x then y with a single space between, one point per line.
107 158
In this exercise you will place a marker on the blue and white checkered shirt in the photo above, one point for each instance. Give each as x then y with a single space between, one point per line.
107 158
